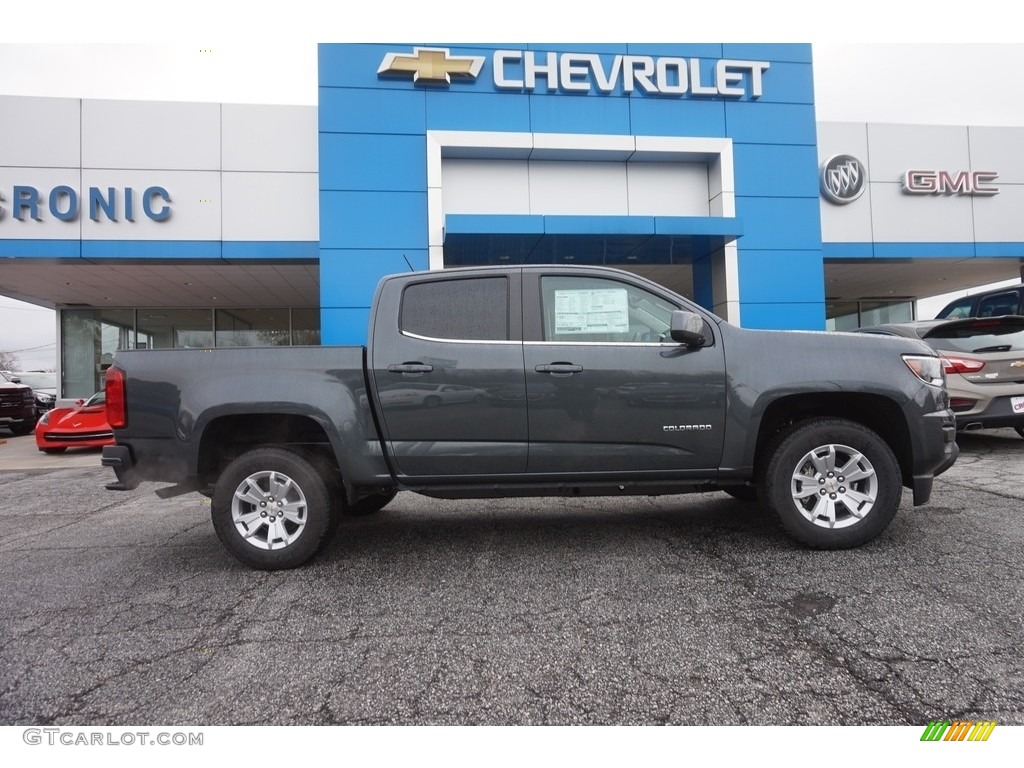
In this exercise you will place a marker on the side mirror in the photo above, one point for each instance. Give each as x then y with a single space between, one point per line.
79 401
14 379
687 328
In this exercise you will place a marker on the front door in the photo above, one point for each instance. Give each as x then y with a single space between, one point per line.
608 390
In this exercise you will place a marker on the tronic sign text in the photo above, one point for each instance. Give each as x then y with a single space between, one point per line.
921 182
65 204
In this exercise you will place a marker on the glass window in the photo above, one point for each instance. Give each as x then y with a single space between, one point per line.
842 316
961 309
175 328
578 309
89 338
306 327
471 308
252 327
850 315
878 312
1000 304
977 337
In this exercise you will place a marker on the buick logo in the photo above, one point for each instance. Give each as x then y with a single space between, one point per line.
842 179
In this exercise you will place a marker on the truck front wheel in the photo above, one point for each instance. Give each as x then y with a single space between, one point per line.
271 509
832 483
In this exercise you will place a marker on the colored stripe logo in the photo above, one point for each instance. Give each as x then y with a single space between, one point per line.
958 730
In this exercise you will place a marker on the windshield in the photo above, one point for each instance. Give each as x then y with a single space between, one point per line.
38 380
100 398
979 337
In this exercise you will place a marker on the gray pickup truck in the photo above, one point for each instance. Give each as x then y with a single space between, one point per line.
533 381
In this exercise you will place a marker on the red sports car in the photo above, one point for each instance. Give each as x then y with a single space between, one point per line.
84 426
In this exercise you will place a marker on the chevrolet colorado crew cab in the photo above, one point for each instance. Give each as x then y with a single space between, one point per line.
533 381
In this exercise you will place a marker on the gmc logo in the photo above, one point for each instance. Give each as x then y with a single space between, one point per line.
919 182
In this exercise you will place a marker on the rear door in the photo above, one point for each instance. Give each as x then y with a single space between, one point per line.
608 390
447 368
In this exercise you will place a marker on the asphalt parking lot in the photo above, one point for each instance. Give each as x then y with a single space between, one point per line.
121 609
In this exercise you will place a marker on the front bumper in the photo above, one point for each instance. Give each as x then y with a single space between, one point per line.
936 452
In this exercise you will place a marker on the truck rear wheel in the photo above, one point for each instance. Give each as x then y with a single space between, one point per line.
271 509
832 483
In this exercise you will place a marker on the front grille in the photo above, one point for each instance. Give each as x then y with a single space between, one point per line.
56 437
11 401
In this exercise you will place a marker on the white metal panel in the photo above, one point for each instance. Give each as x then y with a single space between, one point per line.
895 149
141 134
271 206
486 186
578 188
47 227
269 138
850 222
998 219
902 218
1000 150
195 206
667 189
38 132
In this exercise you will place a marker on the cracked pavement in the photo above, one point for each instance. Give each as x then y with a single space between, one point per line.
124 609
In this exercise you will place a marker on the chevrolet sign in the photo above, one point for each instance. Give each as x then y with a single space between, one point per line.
583 72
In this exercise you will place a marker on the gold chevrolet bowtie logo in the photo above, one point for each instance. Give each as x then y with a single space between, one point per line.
431 66
1017 364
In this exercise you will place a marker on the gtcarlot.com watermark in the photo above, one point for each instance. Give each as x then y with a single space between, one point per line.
76 737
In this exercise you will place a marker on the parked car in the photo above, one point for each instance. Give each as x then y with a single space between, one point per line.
17 405
44 387
984 363
994 303
83 426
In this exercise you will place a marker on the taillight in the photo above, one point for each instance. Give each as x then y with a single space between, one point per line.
117 414
961 364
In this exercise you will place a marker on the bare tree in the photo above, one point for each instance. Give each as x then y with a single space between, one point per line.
9 361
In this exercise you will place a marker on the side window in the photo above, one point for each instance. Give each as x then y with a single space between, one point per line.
578 309
471 309
960 309
1000 304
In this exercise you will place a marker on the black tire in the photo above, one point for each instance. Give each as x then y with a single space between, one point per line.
368 505
862 505
747 493
53 450
258 537
22 429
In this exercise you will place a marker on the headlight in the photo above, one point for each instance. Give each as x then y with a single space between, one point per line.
45 418
28 397
928 369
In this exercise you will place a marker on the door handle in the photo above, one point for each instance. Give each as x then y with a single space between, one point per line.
559 368
410 368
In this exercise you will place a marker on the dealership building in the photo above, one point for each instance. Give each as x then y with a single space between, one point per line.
702 167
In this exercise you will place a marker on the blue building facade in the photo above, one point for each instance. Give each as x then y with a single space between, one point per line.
697 157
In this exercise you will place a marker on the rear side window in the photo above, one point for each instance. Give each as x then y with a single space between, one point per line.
1000 304
469 309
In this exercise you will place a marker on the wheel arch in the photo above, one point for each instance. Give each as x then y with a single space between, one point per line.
879 413
228 436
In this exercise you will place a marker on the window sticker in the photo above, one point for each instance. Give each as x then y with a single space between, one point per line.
604 310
